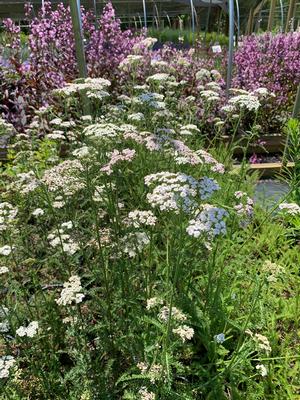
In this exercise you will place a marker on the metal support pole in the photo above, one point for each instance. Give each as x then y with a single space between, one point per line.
207 19
193 18
238 21
145 14
78 35
231 46
291 15
296 110
282 16
271 15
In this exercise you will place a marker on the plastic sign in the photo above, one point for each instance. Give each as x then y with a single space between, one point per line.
216 48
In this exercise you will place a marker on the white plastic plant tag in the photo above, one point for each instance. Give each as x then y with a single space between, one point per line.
217 48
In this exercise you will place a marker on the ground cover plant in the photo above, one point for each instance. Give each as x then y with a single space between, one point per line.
134 263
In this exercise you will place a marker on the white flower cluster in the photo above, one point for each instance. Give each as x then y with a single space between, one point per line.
209 95
102 130
245 101
6 363
203 74
131 60
136 117
146 42
29 331
290 208
144 394
3 270
5 250
160 78
262 341
154 371
165 314
26 182
63 177
262 92
228 109
159 64
262 370
182 153
56 135
82 152
4 324
184 332
138 218
63 239
7 215
209 160
134 242
245 208
173 192
58 202
153 302
213 86
209 221
188 130
117 156
5 125
89 85
273 270
38 212
71 292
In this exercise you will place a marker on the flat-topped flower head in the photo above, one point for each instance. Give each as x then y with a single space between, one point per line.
290 208
71 292
138 218
5 250
6 363
210 221
184 332
245 101
29 330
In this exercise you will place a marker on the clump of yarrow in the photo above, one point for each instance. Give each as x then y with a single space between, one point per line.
72 292
64 177
178 191
244 209
8 215
6 363
210 221
138 218
30 330
62 239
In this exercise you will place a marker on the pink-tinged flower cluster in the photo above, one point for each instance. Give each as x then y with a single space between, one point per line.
117 156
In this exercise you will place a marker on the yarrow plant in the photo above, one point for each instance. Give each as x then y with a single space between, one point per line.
134 263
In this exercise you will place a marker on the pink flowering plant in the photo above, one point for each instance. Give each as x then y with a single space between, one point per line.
266 62
52 60
272 62
134 263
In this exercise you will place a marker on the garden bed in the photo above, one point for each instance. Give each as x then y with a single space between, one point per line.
268 143
135 262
